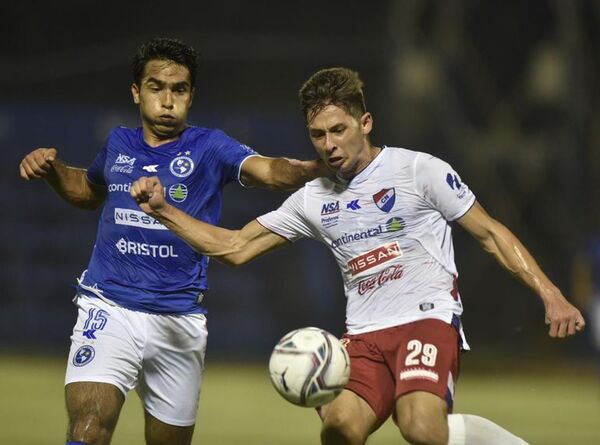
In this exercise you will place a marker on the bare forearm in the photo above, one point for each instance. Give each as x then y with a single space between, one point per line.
289 177
515 258
71 184
281 173
209 240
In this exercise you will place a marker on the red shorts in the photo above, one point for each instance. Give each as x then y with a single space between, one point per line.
388 363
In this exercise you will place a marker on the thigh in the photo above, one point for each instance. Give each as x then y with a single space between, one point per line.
105 345
160 433
370 377
424 356
350 413
173 367
93 410
421 417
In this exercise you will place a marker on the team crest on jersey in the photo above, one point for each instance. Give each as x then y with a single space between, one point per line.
385 199
83 356
178 192
181 166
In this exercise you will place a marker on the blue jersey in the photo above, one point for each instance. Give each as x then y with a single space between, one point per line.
137 262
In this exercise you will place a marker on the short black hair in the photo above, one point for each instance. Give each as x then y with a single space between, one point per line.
161 48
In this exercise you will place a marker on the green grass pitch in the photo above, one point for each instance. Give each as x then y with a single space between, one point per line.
239 407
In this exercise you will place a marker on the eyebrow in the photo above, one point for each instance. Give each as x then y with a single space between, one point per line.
162 84
332 128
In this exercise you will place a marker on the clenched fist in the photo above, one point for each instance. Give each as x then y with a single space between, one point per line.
38 163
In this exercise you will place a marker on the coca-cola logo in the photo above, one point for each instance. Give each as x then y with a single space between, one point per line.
391 273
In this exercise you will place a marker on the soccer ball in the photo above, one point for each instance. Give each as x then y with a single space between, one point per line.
309 367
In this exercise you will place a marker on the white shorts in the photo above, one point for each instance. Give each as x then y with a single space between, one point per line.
162 356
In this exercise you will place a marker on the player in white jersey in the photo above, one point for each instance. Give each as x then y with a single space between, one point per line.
386 219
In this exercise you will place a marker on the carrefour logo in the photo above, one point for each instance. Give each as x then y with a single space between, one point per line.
135 218
153 250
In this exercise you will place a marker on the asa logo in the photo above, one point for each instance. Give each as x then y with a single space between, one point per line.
375 257
123 164
330 208
124 159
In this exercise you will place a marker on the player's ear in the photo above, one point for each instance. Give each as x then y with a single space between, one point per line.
135 92
192 92
366 122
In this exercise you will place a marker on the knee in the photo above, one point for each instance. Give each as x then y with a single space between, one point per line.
340 429
89 428
422 429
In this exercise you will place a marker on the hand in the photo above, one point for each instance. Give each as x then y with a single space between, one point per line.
563 318
38 163
316 168
149 195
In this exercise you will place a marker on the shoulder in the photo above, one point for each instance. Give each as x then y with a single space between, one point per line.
319 185
194 134
211 137
123 137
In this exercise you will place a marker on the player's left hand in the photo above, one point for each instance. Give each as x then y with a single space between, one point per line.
315 167
563 318
149 195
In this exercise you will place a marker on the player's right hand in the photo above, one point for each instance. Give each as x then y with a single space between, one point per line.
149 195
38 163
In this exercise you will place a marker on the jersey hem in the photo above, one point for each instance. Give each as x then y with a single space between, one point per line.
446 317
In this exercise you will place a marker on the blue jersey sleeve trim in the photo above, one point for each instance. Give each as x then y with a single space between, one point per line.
239 175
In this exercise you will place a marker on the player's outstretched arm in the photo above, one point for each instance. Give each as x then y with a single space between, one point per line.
69 182
232 247
281 173
564 319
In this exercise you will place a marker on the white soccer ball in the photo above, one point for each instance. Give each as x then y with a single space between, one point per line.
309 367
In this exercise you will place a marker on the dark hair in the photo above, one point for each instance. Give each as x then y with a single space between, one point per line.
333 86
164 49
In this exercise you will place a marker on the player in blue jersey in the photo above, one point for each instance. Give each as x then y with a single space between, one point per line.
141 322
392 241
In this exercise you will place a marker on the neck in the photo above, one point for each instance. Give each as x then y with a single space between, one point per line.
154 139
371 153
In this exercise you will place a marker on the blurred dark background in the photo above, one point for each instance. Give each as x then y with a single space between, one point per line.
506 91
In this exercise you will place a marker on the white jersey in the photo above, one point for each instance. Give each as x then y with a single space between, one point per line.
388 230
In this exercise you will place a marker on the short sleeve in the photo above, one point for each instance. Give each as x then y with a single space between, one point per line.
230 154
95 172
441 186
290 219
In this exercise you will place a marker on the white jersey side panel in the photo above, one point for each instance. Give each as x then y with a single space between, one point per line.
388 230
